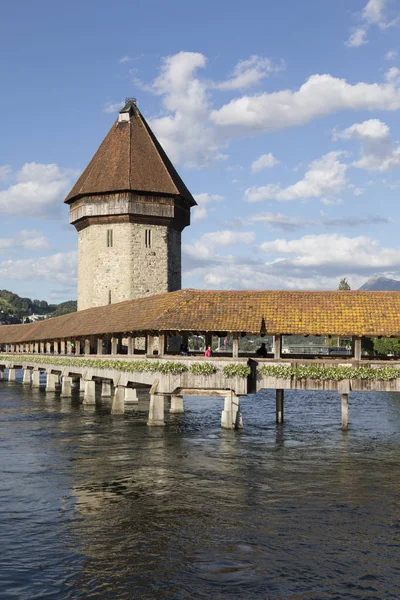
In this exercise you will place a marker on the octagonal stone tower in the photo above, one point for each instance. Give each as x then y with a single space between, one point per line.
129 207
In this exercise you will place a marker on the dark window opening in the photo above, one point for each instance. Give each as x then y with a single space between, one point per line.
109 238
147 238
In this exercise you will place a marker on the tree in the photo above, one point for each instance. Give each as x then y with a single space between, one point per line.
344 284
385 346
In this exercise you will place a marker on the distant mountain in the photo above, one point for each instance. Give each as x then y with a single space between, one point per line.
381 284
13 308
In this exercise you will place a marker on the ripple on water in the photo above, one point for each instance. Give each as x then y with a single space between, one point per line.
94 506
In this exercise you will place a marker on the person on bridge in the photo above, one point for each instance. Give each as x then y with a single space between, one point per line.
184 351
262 351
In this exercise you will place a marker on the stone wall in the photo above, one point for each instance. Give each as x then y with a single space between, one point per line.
134 266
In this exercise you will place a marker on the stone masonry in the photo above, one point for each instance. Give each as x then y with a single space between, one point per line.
134 265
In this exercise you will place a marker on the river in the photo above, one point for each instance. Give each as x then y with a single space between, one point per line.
101 506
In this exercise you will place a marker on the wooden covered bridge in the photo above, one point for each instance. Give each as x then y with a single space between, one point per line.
134 346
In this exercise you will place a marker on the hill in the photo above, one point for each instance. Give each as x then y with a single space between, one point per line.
381 284
13 308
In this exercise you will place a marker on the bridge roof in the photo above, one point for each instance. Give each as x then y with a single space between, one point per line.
342 313
130 158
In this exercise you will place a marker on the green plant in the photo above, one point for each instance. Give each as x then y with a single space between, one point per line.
385 346
202 368
323 373
236 370
137 366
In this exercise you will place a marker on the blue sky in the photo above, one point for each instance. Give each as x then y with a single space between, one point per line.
281 117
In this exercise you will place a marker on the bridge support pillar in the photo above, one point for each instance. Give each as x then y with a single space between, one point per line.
35 378
118 405
89 396
131 396
235 345
177 405
156 411
66 387
26 378
356 347
277 346
11 374
52 381
81 385
231 417
114 345
345 412
279 406
105 389
131 345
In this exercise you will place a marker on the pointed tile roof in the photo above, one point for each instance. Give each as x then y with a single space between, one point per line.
130 158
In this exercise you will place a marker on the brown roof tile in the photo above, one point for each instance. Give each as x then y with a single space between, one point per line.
130 158
286 312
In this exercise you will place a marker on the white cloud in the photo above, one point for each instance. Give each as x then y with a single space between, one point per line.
393 75
258 275
185 132
377 150
32 240
248 73
358 221
319 96
241 272
125 59
194 133
310 262
203 200
331 201
39 190
206 246
283 222
373 14
56 268
112 107
325 176
373 160
5 171
357 38
286 223
265 161
391 55
373 129
334 250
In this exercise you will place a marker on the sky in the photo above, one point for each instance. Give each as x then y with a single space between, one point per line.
281 117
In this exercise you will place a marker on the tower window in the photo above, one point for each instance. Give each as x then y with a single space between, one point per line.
147 238
109 296
109 238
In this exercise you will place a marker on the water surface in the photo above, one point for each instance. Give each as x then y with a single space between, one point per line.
100 506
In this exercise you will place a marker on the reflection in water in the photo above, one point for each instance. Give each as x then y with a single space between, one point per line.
96 506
